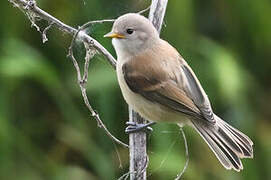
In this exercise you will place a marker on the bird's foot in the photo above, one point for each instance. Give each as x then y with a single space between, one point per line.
135 127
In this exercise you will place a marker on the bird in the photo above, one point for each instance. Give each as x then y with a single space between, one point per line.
158 83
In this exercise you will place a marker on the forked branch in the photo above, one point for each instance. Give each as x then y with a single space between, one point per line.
92 46
156 15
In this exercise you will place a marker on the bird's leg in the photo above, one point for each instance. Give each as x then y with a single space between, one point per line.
134 127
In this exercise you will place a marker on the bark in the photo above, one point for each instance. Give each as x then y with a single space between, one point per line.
137 141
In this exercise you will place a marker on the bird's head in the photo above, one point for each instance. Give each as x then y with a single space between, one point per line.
132 33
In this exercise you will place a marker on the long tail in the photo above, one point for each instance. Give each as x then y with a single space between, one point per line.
229 144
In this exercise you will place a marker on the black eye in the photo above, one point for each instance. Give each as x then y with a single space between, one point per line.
129 31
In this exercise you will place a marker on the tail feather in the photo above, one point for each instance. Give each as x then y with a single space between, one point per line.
243 141
232 156
215 148
228 144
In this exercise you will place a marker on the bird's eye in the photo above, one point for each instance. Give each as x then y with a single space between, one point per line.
129 31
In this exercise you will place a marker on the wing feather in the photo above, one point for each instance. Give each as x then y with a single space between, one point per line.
194 90
161 75
164 92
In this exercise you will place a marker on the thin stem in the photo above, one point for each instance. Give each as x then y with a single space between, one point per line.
95 22
144 10
30 6
33 12
186 155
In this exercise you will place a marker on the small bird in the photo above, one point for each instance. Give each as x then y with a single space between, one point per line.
159 84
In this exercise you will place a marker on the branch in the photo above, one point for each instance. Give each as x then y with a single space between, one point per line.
138 140
31 9
157 13
34 13
179 176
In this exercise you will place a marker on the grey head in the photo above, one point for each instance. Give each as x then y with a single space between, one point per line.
132 33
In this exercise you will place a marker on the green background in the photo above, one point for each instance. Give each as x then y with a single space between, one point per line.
47 133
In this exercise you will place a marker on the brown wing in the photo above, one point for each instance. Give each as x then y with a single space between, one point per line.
157 86
161 75
193 89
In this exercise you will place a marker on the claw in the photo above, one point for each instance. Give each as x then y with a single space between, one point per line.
134 127
149 129
129 123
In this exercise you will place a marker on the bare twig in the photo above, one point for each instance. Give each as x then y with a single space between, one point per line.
96 22
157 13
34 13
138 150
138 155
144 10
44 33
164 159
31 6
145 166
138 140
179 176
107 20
125 176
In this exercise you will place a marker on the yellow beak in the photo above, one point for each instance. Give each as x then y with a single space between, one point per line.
114 35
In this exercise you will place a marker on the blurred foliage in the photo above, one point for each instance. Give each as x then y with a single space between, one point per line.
46 131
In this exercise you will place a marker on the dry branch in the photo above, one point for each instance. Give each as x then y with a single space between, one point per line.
138 153
138 141
34 13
